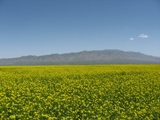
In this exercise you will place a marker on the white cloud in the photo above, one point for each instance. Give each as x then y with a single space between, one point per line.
131 39
143 36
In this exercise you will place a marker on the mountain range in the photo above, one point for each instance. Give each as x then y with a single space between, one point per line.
84 57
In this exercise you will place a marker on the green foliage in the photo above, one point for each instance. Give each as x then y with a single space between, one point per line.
80 92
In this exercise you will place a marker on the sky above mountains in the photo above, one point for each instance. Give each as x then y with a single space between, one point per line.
39 27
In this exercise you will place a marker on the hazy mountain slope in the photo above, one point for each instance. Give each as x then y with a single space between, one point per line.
84 57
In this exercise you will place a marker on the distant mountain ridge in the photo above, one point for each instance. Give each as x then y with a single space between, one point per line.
84 57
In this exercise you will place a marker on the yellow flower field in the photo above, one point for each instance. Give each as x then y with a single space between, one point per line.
111 92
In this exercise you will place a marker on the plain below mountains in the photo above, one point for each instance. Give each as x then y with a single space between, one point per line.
84 57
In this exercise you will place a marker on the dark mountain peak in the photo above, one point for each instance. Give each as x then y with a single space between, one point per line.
28 56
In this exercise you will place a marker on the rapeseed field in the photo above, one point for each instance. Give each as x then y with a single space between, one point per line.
103 92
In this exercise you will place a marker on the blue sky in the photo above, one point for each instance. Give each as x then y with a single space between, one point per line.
40 27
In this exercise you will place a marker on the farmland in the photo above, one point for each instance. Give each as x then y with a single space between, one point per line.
80 92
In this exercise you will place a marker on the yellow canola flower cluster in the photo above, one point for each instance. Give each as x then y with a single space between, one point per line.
81 92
